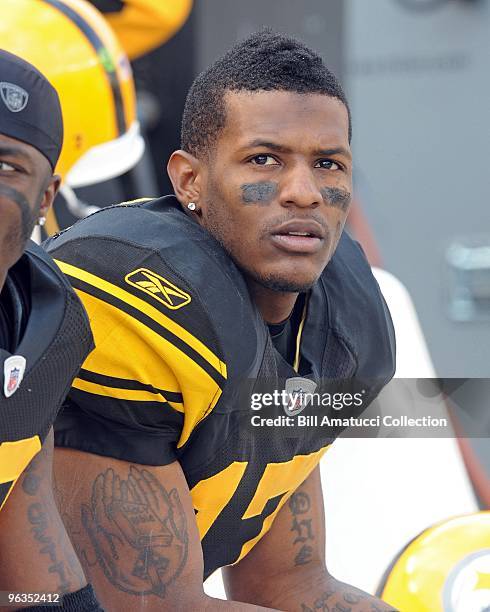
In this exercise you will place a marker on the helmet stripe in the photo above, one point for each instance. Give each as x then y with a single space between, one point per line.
104 57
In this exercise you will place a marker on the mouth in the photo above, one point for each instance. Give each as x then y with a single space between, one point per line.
299 236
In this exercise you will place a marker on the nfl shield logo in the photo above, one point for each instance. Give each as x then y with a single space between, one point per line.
299 394
14 97
13 373
13 381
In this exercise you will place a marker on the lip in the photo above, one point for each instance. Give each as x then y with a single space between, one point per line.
283 240
304 226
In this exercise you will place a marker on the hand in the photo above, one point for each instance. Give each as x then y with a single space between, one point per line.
138 531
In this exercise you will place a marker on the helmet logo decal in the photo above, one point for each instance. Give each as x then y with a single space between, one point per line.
14 97
467 588
159 288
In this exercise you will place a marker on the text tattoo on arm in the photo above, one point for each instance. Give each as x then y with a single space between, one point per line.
53 545
300 505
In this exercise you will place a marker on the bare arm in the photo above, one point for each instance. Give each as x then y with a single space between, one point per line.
35 551
134 529
287 569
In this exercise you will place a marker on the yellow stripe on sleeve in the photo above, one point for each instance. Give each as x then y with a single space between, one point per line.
134 395
148 310
16 456
126 348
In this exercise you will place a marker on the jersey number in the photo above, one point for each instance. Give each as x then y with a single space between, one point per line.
278 479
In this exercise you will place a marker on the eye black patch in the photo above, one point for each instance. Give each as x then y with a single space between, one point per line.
27 216
255 193
339 198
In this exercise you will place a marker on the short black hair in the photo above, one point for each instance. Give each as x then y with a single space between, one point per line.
265 61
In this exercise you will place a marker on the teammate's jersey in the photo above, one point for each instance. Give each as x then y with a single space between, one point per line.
180 349
143 25
45 341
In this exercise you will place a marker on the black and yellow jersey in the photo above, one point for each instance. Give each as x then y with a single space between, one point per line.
143 25
180 348
44 339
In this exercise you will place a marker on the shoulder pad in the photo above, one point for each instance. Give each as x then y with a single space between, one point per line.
347 308
154 252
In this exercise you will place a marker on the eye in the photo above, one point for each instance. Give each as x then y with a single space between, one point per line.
5 167
327 164
264 160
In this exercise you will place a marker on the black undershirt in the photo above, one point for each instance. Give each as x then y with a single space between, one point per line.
6 318
284 334
15 306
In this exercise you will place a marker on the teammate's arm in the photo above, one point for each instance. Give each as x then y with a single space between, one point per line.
134 529
286 569
35 551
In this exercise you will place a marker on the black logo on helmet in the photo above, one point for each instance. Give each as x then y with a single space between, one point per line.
14 97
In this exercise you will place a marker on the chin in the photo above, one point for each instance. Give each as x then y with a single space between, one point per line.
288 284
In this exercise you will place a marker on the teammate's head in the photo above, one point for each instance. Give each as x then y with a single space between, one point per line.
31 135
266 153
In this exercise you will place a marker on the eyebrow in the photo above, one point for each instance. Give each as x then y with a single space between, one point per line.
15 152
273 146
266 144
334 151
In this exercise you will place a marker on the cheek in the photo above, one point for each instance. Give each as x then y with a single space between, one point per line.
262 192
10 217
14 200
337 198
11 239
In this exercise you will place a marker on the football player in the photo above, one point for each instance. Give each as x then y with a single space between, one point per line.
168 466
44 338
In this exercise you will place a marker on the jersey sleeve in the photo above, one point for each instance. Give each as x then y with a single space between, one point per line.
156 370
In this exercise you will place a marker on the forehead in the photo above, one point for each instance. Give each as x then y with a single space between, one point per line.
23 151
293 118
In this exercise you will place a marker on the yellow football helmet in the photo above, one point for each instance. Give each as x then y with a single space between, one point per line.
70 42
143 25
444 569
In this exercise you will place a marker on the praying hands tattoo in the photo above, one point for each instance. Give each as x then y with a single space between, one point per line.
138 531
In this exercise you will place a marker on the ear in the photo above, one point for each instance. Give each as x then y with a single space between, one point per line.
49 194
185 172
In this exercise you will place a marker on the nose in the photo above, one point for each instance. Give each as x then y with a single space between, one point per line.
299 188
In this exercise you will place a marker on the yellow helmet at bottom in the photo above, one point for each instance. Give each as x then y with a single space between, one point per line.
444 569
70 42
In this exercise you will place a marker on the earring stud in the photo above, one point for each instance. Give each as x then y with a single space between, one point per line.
191 206
41 221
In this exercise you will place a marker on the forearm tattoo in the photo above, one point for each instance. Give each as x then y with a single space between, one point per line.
332 595
138 531
300 505
47 530
340 597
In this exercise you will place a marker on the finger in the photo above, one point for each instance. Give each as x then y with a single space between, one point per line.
133 488
108 486
98 541
178 516
88 519
98 506
142 485
157 490
124 491
117 488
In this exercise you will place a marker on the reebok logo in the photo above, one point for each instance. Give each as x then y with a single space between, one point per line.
159 288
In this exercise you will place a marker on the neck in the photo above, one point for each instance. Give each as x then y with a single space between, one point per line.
274 306
3 276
